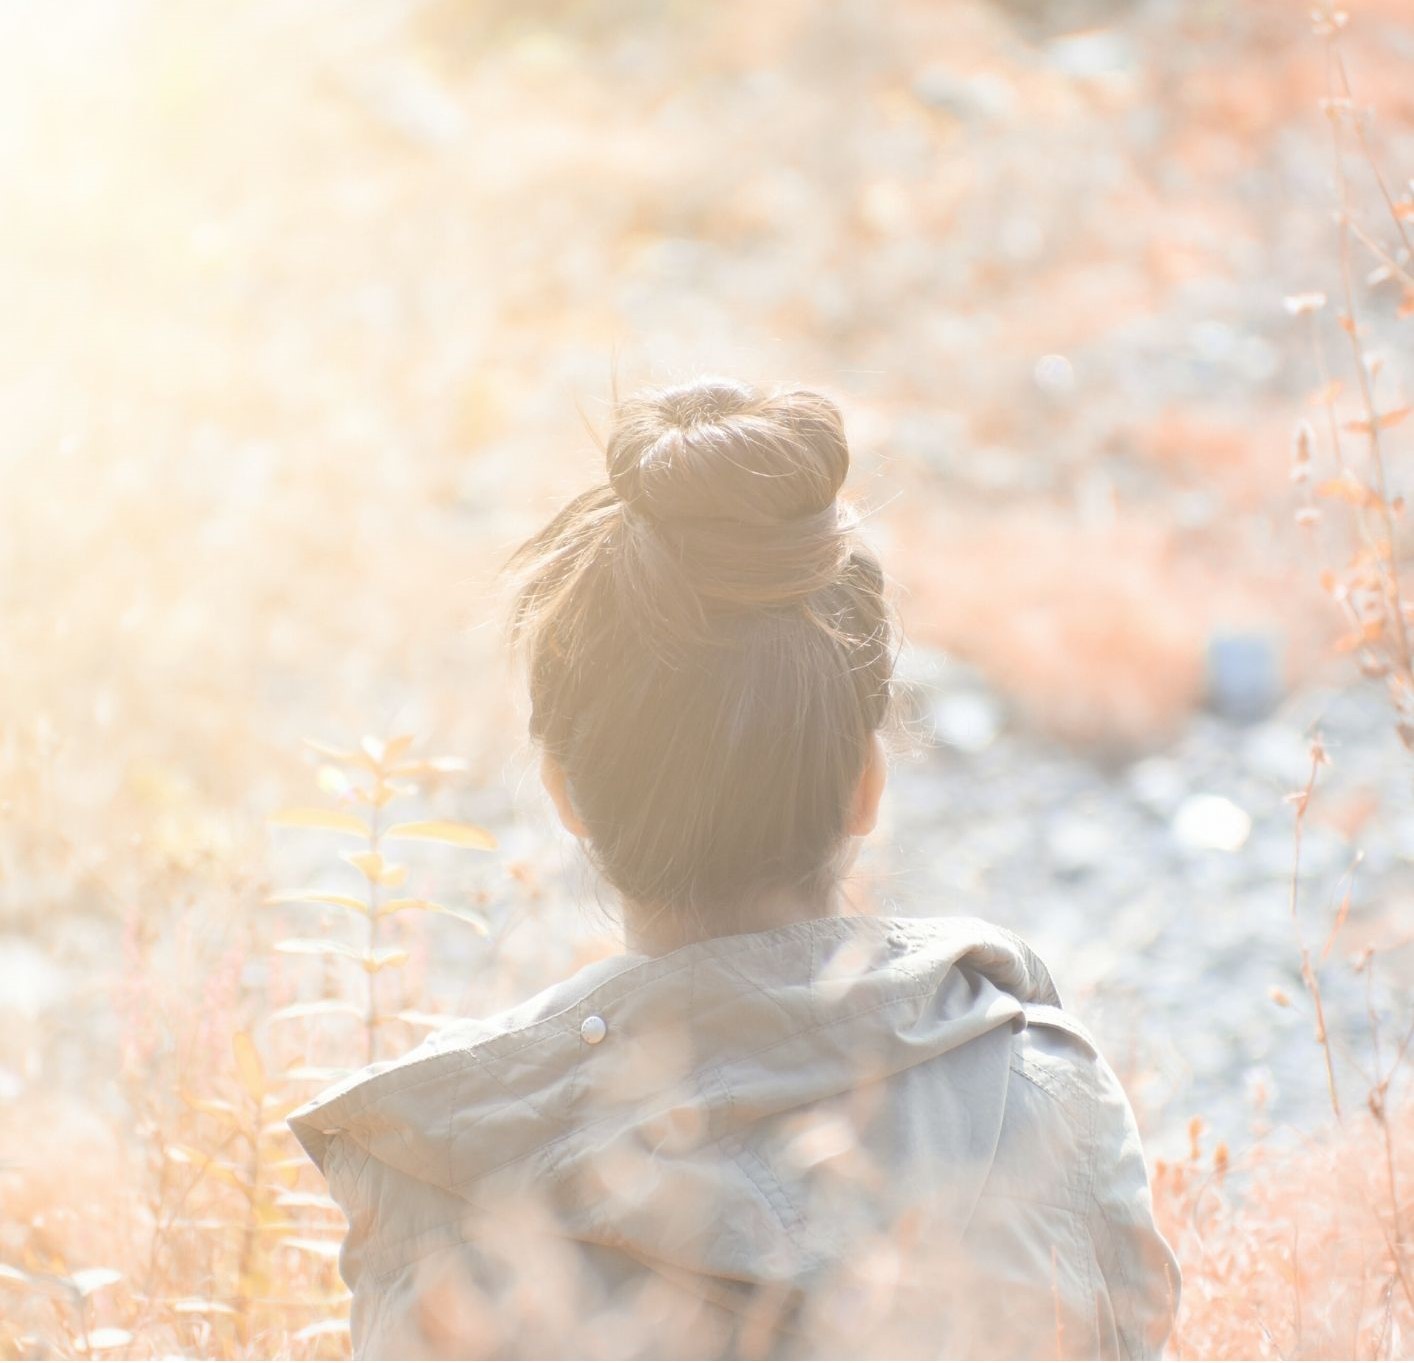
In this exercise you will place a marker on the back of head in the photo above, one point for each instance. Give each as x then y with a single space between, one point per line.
709 649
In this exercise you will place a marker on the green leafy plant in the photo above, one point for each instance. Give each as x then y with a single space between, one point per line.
369 779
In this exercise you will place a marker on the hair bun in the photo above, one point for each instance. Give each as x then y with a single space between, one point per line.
728 500
716 450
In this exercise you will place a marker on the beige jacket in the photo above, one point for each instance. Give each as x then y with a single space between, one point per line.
849 1137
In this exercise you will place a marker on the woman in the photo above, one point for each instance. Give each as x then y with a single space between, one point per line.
770 1127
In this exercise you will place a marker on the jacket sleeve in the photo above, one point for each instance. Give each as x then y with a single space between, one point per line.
1069 1178
1139 1269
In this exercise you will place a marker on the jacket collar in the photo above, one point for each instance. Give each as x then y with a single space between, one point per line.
733 1029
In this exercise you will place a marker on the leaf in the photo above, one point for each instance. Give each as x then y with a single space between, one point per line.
87 1281
444 831
318 946
206 1164
373 747
339 901
370 863
1323 397
318 1008
248 1066
287 1197
1382 422
325 1249
378 871
431 766
470 917
331 820
382 794
213 1107
1369 632
320 1329
331 752
1342 914
200 1306
396 747
381 959
109 1337
46 1284
1348 488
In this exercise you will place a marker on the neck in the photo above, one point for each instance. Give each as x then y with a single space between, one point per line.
656 930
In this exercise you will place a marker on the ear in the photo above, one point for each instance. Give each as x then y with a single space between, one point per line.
553 775
864 809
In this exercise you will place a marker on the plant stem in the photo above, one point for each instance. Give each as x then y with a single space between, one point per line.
1394 603
371 1010
1308 975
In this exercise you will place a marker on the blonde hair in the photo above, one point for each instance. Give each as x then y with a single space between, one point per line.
709 649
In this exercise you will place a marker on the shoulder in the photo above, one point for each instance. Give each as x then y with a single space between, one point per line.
1067 1112
1034 1231
1066 1073
1068 1082
535 1015
1044 1147
1054 1051
375 1102
1067 1124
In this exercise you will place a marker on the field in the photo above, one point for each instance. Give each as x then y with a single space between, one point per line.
314 311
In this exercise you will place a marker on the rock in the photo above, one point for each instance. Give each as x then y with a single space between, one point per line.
1078 844
30 982
1092 53
1277 752
1212 822
1158 784
1243 675
968 720
980 96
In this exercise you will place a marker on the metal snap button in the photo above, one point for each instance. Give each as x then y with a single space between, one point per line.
593 1029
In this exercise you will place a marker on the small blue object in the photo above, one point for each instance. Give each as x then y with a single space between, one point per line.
1244 679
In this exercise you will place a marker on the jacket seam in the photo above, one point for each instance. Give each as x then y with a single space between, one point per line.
1097 1219
776 1196
1094 1274
1054 1083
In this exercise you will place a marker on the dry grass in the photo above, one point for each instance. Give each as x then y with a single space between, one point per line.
1098 632
1299 1263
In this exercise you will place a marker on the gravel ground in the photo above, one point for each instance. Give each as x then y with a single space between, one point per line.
1158 890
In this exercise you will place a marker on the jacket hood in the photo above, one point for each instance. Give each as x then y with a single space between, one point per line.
688 1109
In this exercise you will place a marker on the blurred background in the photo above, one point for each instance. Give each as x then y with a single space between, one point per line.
312 311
